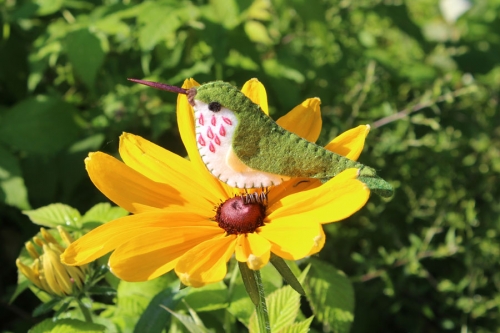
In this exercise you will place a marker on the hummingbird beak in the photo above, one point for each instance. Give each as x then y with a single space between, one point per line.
191 93
161 86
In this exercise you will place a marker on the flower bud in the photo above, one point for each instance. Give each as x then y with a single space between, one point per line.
47 272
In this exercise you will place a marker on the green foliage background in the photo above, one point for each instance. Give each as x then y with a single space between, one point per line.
425 261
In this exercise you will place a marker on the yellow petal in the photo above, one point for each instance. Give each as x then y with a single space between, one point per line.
333 201
163 166
350 143
255 90
28 272
292 240
206 263
185 122
253 249
51 272
111 235
319 242
52 265
128 188
291 186
296 185
304 120
156 252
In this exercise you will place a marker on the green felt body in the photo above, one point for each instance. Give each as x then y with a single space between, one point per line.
263 145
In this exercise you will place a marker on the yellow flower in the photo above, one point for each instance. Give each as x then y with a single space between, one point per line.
46 271
187 220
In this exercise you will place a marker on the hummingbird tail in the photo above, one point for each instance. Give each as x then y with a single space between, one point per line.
378 185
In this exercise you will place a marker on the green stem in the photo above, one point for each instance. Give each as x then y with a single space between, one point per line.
262 315
85 311
255 289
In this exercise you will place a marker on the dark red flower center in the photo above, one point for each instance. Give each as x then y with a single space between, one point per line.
239 215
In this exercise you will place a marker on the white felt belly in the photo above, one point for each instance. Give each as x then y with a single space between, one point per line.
214 132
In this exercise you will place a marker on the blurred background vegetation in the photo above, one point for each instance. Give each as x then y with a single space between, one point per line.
424 73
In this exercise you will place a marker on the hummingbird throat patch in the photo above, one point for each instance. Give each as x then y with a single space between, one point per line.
214 133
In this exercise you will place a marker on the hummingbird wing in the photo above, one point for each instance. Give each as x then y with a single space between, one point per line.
261 144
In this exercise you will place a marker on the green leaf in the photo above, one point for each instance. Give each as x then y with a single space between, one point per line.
66 325
300 327
90 143
102 290
208 298
46 7
46 307
283 307
155 318
103 212
225 12
250 283
63 308
331 296
20 287
271 278
55 214
257 32
286 273
85 54
191 322
12 188
134 297
42 125
159 22
240 305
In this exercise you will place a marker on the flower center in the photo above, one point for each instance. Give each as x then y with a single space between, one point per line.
242 214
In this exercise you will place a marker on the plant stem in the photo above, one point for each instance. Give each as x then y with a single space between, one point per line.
262 315
255 289
422 105
85 311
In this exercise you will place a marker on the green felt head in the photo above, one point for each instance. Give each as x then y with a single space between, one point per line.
227 95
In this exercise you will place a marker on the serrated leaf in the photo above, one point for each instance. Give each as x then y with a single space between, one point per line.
65 326
331 296
54 215
103 212
283 307
300 327
26 125
85 54
13 191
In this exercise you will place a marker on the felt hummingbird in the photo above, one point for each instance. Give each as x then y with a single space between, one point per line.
245 148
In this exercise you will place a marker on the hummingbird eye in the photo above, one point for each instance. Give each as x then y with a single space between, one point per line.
214 106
